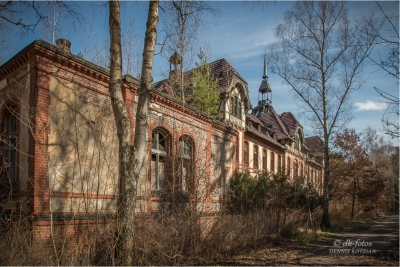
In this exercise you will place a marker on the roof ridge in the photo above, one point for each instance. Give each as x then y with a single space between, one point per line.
289 112
278 119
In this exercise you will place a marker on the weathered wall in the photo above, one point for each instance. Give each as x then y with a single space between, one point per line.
213 152
82 149
261 146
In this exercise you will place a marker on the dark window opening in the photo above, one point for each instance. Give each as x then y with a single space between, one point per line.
264 161
186 165
8 153
158 156
255 157
246 154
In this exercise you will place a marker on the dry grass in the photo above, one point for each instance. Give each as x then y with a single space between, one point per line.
163 240
173 240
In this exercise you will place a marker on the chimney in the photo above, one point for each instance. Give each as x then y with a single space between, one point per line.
64 45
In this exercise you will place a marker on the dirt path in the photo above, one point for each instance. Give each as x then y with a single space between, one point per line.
377 246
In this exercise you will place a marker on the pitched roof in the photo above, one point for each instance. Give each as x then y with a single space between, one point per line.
264 133
254 118
315 144
290 122
221 69
272 120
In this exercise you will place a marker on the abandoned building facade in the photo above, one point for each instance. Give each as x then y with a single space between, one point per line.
59 148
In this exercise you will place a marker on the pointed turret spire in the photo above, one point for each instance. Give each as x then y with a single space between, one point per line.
265 73
264 87
265 90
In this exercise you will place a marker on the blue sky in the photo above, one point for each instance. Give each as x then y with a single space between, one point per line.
240 34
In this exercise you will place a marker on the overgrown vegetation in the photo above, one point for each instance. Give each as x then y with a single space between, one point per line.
258 211
203 96
274 193
365 172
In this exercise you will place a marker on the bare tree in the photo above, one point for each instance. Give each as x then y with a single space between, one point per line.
320 56
10 12
28 14
386 156
91 49
131 50
385 30
184 19
130 158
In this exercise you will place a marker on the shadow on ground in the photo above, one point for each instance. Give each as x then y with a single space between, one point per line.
376 246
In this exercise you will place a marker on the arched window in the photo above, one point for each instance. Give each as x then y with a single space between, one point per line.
279 162
313 177
159 152
234 103
236 106
237 153
272 162
264 161
288 166
301 170
246 153
231 106
255 159
239 111
297 142
9 153
296 168
186 164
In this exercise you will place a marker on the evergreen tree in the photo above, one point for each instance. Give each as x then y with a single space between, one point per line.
203 95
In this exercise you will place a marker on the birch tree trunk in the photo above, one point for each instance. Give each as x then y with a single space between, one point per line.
130 158
141 122
126 192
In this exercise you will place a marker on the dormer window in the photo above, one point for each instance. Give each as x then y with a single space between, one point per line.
297 142
236 106
239 109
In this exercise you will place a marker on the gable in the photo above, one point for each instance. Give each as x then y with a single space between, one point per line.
227 79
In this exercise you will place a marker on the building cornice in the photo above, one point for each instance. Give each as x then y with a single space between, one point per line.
167 100
264 138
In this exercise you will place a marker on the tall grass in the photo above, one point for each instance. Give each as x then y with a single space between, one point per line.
258 210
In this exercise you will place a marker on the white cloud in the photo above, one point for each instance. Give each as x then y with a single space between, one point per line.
370 105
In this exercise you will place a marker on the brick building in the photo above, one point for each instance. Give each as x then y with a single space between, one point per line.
59 144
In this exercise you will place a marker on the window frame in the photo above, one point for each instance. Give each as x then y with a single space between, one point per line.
264 160
186 184
255 157
235 108
246 153
9 150
272 163
279 162
295 168
158 183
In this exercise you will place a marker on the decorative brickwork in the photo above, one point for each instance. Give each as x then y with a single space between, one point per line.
69 149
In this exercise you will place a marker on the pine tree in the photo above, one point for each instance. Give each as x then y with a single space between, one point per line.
203 95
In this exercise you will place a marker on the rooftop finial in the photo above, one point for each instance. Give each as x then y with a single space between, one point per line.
265 74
